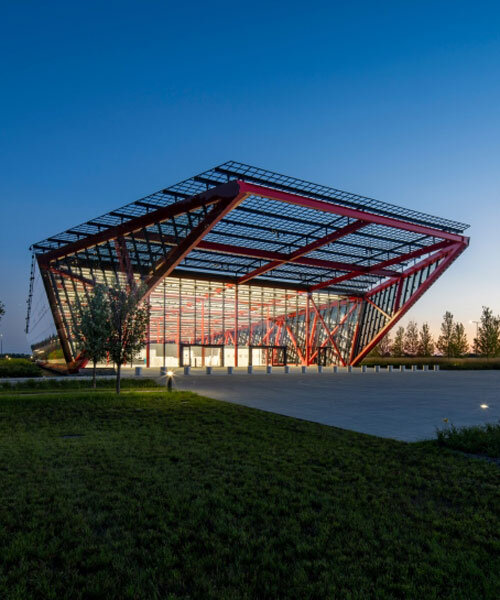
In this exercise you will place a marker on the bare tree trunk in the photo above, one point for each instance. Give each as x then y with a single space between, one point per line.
93 375
118 373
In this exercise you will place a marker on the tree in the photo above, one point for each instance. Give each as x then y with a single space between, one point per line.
398 345
410 344
92 330
383 348
2 310
460 343
487 342
445 340
128 319
425 342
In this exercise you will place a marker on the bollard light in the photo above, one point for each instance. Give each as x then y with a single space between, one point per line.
170 377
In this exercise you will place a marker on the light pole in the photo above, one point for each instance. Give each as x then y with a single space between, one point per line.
1 344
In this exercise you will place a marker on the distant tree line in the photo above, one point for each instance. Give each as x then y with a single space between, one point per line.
452 341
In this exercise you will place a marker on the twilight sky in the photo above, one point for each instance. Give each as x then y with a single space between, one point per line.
105 102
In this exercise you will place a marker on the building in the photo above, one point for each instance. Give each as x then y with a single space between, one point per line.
245 266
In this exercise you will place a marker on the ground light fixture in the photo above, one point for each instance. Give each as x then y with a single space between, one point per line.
170 377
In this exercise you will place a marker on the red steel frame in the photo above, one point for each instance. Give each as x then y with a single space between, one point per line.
223 199
446 255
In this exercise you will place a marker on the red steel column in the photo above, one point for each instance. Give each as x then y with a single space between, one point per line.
236 326
148 334
306 332
179 337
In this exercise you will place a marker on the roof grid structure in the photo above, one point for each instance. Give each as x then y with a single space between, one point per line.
302 187
234 170
264 224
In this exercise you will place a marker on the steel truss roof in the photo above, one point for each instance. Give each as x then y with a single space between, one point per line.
267 223
243 226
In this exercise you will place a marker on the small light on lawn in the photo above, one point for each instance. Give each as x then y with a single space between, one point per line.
170 377
484 406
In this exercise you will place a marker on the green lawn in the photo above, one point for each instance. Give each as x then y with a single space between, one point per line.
151 495
53 384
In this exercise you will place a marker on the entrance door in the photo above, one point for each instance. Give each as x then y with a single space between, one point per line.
271 355
202 355
324 354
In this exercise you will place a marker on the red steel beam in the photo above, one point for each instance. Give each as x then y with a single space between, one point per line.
56 313
338 326
222 192
301 260
178 253
386 315
330 336
427 261
294 343
273 255
343 231
72 276
124 260
414 254
355 336
339 279
378 268
264 192
450 255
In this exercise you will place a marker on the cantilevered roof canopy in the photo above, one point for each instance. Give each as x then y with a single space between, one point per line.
243 224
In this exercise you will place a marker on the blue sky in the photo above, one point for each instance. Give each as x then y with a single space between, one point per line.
103 103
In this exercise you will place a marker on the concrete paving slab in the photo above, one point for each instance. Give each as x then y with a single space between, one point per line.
405 406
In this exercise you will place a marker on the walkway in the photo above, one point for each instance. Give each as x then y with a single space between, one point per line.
405 406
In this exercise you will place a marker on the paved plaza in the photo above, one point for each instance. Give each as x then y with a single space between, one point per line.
406 406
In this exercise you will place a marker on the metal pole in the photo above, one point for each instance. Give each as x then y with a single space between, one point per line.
164 323
307 319
236 326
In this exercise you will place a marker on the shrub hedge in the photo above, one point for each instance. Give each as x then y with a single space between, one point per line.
18 367
479 439
456 364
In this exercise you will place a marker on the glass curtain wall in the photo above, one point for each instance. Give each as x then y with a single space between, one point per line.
202 323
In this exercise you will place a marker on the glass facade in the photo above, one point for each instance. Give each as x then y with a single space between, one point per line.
41 329
198 323
203 323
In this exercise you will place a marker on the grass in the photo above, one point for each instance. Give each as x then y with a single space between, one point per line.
156 495
18 367
481 439
52 384
448 364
